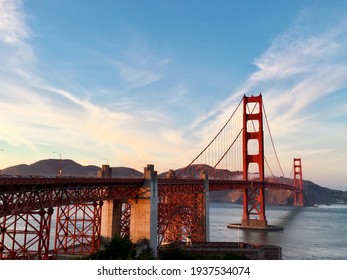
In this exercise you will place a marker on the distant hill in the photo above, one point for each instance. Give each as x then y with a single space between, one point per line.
124 172
194 171
50 167
313 194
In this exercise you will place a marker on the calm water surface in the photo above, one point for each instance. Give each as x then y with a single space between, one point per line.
309 233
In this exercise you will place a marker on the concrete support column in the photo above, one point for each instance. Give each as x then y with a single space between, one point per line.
105 172
144 210
154 209
111 211
204 176
111 219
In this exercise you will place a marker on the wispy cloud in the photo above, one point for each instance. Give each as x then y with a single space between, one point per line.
139 65
295 72
177 93
13 30
35 113
137 76
14 33
299 69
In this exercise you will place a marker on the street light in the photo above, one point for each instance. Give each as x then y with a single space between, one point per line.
59 169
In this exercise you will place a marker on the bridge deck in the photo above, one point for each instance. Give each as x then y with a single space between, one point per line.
27 194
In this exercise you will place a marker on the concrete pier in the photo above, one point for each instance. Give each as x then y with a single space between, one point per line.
111 219
144 210
111 211
255 227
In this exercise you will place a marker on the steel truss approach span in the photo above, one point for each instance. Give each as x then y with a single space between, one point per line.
181 210
18 195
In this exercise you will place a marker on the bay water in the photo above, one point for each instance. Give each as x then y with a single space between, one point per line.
309 233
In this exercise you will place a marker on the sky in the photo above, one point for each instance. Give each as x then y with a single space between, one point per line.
131 83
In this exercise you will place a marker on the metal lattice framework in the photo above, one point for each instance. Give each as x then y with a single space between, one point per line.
19 195
78 229
26 206
125 220
27 235
181 210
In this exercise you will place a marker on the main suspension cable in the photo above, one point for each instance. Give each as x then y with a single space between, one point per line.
273 144
212 141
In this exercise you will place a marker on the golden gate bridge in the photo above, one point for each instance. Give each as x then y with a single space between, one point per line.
161 209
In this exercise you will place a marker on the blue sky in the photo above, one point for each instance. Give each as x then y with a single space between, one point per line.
138 82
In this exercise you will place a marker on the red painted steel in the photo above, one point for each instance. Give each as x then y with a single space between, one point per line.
31 195
18 195
37 193
78 229
181 211
26 235
254 196
299 193
125 220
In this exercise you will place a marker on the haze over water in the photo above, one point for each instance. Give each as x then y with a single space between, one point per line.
310 233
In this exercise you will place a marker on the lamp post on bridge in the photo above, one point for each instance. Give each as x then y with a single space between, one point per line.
59 173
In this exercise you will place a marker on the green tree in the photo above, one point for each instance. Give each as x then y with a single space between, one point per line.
146 254
119 248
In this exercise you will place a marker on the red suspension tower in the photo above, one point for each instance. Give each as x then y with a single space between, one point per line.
298 196
254 197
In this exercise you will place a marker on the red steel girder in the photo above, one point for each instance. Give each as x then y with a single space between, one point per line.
181 210
39 194
78 229
125 220
26 235
42 183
